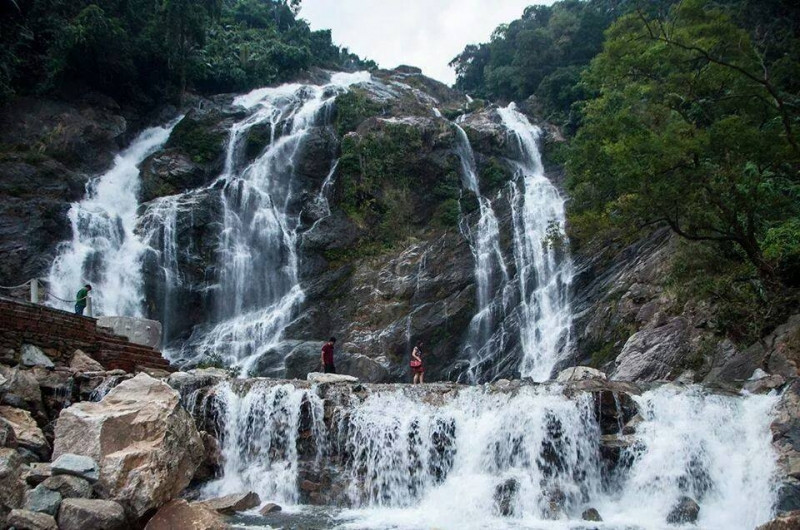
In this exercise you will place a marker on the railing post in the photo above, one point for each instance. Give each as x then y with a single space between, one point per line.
89 306
34 291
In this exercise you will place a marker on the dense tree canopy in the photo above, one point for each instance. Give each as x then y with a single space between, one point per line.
541 53
146 50
695 126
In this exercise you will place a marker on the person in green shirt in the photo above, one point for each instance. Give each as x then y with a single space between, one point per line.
80 299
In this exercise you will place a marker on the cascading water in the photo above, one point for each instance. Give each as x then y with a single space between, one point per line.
490 268
479 458
260 439
544 268
105 249
258 291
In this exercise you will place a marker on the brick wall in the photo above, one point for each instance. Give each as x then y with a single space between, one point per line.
59 333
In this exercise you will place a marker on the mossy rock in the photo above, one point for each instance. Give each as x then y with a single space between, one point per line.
493 174
201 138
352 108
257 139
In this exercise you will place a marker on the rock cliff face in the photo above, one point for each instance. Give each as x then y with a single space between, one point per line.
378 218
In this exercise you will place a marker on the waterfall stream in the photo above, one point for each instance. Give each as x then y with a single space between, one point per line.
105 249
478 458
544 268
491 274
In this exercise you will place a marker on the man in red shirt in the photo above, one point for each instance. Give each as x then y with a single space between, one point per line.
327 356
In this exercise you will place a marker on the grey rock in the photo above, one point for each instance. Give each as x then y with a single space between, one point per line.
304 358
178 514
21 389
786 521
28 520
320 378
27 433
653 353
43 500
230 504
505 495
76 465
82 514
591 514
12 486
83 363
7 436
69 486
268 508
137 330
37 473
33 356
578 373
686 510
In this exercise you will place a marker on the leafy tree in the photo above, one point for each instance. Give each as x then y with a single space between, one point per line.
693 127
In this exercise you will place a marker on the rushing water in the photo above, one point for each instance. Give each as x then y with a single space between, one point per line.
482 459
105 250
544 268
490 268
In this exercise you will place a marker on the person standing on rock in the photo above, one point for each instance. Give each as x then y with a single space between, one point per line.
327 356
417 368
80 299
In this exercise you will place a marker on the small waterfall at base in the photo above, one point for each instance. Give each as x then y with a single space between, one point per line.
261 433
105 250
475 457
544 268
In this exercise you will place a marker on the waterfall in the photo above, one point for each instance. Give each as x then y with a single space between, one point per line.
475 457
105 250
544 269
258 291
261 438
490 268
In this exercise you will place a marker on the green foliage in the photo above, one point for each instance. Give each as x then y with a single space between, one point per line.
144 50
448 213
542 53
352 108
688 131
198 139
376 172
493 174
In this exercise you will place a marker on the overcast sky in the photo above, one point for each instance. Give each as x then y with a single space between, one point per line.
423 33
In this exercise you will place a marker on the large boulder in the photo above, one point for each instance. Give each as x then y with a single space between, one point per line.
180 515
686 510
146 444
97 514
26 431
8 437
579 373
653 353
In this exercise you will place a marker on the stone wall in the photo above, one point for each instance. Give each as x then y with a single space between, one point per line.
59 333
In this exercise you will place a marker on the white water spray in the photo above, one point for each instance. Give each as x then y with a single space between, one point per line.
490 268
541 252
105 250
477 458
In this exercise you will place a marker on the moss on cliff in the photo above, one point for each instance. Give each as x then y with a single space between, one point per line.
200 138
352 108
